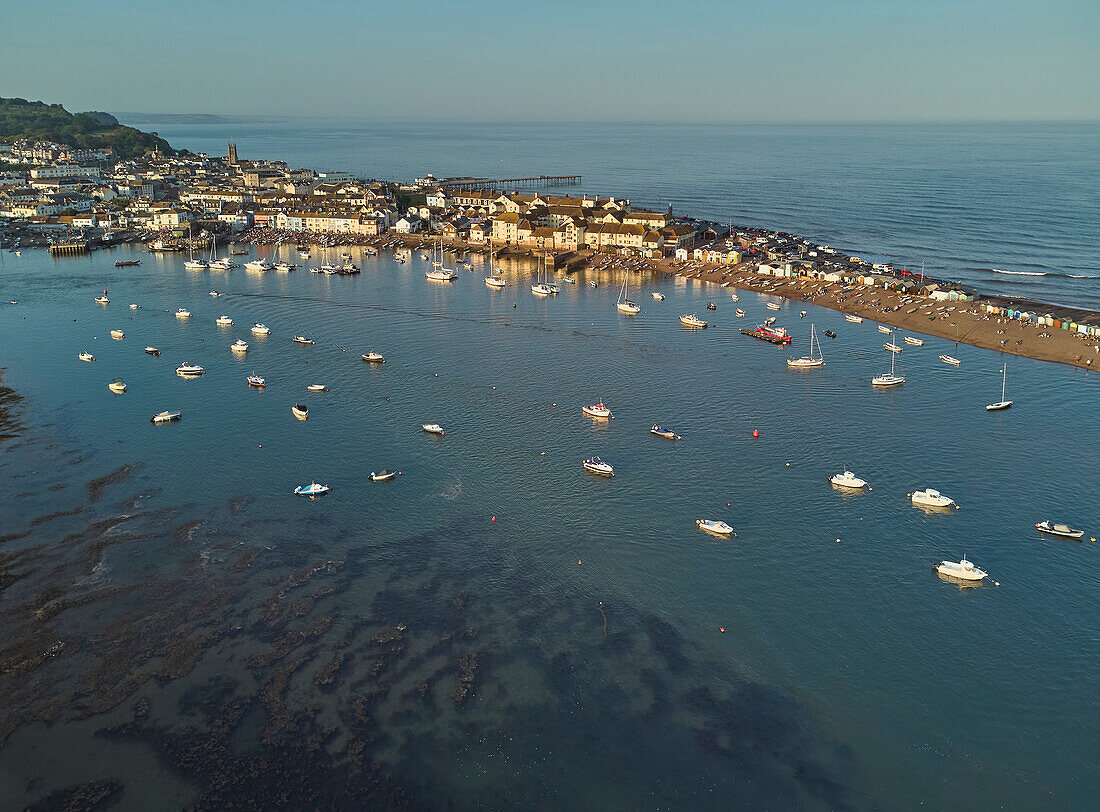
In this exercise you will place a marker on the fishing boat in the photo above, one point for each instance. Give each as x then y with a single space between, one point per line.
494 279
117 385
739 313
882 328
854 319
847 479
312 489
316 387
933 499
223 321
668 434
183 313
118 335
433 428
660 297
768 332
374 357
300 410
963 570
810 361
188 370
257 381
597 410
1001 404
240 345
916 342
712 306
715 526
693 321
128 263
950 359
1058 529
888 378
891 346
595 465
260 329
102 299
164 417
772 306
303 340
86 356
382 476
152 351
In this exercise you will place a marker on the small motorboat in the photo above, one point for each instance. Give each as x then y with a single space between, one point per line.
660 297
118 386
433 428
312 489
239 346
86 356
223 321
316 387
257 381
772 306
933 499
734 297
739 313
854 319
102 299
718 528
848 480
950 359
1059 529
300 410
260 329
121 264
285 266
802 314
964 570
567 280
374 357
118 335
594 465
882 328
597 410
303 340
152 351
712 306
183 313
892 347
214 293
134 306
382 476
187 370
691 320
668 434
164 417
830 334
916 342
593 284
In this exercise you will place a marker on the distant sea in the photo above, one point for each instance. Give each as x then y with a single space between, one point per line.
1008 207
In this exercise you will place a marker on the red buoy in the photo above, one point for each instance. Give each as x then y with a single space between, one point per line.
493 519
722 629
755 433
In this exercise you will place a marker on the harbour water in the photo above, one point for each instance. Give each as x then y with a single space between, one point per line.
1008 207
180 623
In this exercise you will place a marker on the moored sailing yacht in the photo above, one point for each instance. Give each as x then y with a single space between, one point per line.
888 378
624 305
1001 404
808 362
494 279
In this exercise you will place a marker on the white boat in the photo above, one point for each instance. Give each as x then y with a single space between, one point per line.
152 351
187 370
223 264
164 417
668 434
494 279
715 526
183 313
950 359
1001 404
118 386
739 313
848 480
86 356
303 254
441 275
134 306
257 381
597 410
193 264
882 328
691 320
300 410
382 476
285 266
214 293
303 340
117 334
963 570
374 357
102 299
312 489
258 265
809 362
433 428
888 378
223 321
239 346
916 342
734 297
854 319
261 329
541 289
1058 529
595 465
660 297
891 346
623 304
772 306
317 387
933 499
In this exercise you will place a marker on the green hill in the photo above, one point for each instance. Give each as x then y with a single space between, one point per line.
38 121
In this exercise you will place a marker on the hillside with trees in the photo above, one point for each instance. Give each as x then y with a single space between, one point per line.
38 121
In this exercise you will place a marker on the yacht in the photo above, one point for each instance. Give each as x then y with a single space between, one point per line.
882 328
494 279
668 434
441 275
152 351
118 386
950 359
183 313
772 306
541 289
888 378
223 321
261 329
164 417
715 526
809 362
258 265
193 264
303 254
848 480
317 387
933 499
117 334
891 346
382 476
691 320
284 266
1001 404
300 410
1058 529
963 570
374 357
598 410
86 356
214 293
257 381
660 297
595 465
187 370
433 428
223 264
623 304
303 340
312 489
916 342
102 299
854 319
239 346
541 286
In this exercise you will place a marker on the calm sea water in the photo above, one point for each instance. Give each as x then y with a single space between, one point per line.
1010 208
198 587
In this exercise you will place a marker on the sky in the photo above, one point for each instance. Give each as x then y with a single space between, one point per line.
524 60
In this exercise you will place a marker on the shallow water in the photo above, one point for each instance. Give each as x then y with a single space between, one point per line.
210 622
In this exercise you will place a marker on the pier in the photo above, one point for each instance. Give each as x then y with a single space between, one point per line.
538 181
68 249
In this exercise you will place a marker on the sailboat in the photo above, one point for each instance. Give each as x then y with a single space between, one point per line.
494 279
439 272
193 264
1002 404
888 379
624 305
809 362
541 288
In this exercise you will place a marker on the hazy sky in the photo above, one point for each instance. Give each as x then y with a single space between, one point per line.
562 59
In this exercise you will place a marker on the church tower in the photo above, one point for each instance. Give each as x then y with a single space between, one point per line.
232 154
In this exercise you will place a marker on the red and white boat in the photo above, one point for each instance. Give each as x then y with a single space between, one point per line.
598 410
257 381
